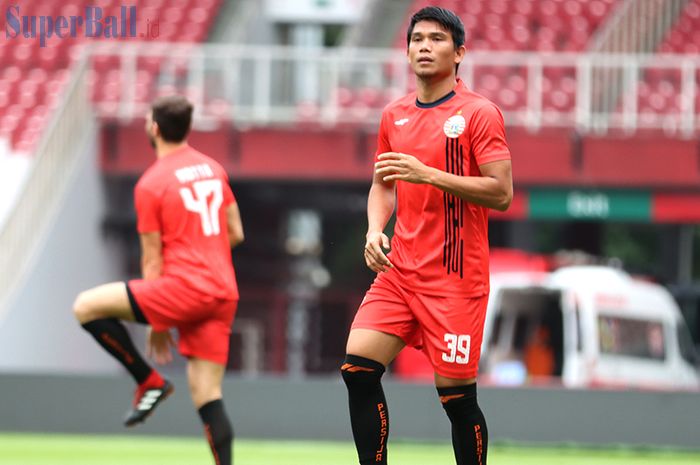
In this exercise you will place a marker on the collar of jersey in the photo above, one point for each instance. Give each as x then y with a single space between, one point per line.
437 102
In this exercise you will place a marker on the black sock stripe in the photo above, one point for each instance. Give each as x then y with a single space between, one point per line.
469 390
211 406
138 313
364 362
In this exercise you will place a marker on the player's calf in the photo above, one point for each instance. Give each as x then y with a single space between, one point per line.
152 389
469 432
369 416
218 430
114 338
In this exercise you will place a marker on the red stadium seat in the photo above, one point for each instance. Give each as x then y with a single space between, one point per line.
541 25
508 100
4 97
683 36
307 112
344 97
34 67
13 75
218 108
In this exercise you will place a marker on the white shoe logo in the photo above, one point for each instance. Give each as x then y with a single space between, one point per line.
401 121
148 399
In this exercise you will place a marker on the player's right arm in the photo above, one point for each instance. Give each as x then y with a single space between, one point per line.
235 225
158 343
380 206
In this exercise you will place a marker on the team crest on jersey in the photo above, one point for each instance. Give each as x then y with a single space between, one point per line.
454 126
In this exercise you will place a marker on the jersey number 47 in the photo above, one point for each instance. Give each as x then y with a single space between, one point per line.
205 199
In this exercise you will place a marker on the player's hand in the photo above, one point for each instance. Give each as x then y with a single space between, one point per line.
375 258
393 166
158 345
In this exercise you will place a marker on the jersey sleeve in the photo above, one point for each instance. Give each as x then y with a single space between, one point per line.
383 137
228 196
488 135
147 210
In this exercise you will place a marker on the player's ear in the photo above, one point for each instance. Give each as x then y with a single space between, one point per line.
155 130
459 54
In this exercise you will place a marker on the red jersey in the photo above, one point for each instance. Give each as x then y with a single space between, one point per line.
440 243
184 196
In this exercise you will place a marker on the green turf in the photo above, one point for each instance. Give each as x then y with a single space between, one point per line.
20 449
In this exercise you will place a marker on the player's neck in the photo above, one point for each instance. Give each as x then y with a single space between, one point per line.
431 90
163 149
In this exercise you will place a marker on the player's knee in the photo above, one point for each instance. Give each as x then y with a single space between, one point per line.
82 308
203 392
459 401
360 371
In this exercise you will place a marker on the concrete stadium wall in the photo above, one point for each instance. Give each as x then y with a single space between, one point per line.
551 157
39 333
316 409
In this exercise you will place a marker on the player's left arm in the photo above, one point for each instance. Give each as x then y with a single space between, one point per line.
235 225
151 255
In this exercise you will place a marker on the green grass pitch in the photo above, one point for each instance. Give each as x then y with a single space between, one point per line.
25 449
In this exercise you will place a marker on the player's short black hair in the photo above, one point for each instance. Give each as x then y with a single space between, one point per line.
173 113
446 18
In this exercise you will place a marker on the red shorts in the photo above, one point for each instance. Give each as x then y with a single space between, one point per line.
203 322
448 330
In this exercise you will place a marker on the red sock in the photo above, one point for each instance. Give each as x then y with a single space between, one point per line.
154 380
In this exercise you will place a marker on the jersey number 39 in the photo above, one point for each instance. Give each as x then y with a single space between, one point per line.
457 348
205 199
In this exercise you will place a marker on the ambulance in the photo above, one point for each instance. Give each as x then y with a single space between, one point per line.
585 326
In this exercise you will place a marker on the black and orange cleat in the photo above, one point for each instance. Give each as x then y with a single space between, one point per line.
146 400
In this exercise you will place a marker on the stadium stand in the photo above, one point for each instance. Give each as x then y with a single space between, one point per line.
526 25
659 89
34 76
545 26
684 37
664 94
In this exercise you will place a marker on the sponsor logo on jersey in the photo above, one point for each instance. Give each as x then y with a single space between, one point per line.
401 122
454 126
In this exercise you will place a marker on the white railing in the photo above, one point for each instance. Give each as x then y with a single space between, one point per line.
54 163
637 26
257 86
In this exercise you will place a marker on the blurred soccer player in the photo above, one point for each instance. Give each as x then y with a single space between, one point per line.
188 220
442 161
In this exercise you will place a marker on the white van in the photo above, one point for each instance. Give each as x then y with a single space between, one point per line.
586 326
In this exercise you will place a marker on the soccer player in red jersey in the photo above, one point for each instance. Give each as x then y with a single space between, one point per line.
188 220
442 161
